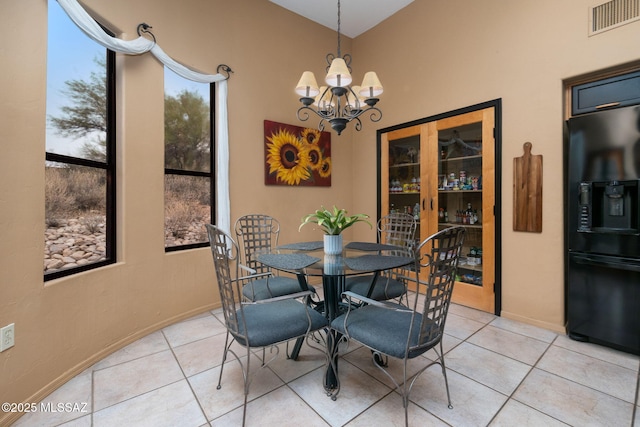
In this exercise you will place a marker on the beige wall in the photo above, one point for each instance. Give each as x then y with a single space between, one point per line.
437 56
432 57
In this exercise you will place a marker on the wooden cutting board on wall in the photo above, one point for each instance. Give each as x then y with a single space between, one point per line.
527 191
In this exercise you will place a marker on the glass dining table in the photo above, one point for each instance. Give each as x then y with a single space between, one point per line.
307 259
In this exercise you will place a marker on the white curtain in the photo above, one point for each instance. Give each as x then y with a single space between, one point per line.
142 45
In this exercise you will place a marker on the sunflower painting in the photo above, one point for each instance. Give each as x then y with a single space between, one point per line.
296 156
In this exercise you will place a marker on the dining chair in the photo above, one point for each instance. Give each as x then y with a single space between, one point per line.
257 324
259 233
396 229
393 330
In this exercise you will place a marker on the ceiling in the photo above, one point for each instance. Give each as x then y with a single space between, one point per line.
356 16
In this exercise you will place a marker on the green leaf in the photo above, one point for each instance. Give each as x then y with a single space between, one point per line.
333 222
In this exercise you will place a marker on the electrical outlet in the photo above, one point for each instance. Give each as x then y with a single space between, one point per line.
7 337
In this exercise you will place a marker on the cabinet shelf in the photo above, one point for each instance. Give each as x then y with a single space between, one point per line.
440 191
404 165
469 283
460 159
475 267
455 224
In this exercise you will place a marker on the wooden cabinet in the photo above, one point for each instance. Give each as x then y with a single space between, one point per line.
613 92
442 171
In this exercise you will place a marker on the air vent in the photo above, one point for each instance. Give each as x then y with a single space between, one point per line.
613 14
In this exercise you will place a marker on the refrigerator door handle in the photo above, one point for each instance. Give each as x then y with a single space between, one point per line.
606 262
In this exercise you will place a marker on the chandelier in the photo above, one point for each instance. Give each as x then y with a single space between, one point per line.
339 103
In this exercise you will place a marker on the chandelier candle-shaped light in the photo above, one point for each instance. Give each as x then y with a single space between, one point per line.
338 103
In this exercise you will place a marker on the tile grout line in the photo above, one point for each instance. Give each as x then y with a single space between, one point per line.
391 390
565 379
511 397
633 403
635 414
93 396
286 383
184 375
508 397
93 409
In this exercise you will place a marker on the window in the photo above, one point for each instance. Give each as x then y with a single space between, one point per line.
80 150
188 153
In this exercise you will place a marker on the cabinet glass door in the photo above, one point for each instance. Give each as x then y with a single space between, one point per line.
443 172
465 197
402 178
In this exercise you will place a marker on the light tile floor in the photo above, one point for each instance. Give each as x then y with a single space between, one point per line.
501 373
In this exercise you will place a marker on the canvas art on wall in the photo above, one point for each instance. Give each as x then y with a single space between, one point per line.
296 155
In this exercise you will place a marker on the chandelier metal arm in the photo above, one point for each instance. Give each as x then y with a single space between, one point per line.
339 118
358 125
303 113
375 115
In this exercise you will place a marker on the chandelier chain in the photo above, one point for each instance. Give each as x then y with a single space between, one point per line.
339 55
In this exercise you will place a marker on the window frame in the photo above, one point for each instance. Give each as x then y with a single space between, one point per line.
109 167
211 174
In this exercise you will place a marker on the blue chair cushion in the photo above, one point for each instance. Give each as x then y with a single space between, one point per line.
278 285
273 322
383 330
381 290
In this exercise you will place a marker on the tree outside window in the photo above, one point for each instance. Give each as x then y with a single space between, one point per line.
188 160
80 148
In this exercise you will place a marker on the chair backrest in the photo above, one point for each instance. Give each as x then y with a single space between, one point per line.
438 255
256 233
224 250
397 229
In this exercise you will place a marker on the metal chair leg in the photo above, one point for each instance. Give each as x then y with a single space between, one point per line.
224 359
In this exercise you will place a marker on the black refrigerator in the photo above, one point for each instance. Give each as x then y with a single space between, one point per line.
602 220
